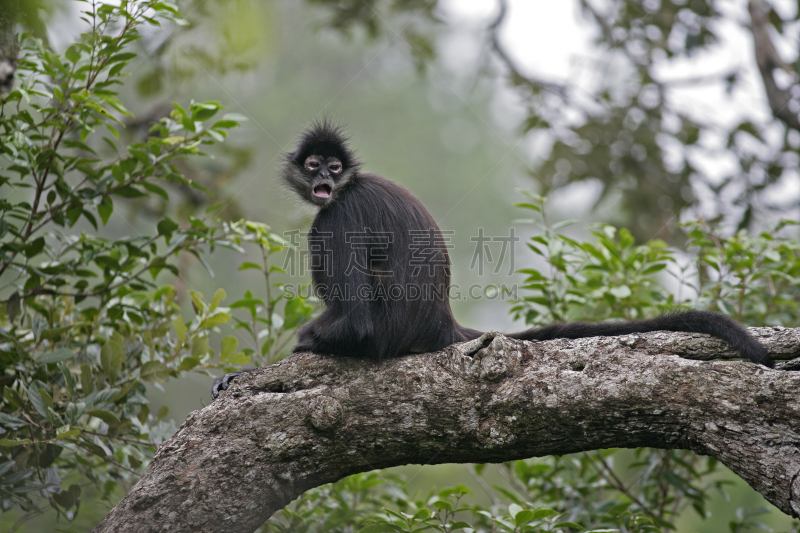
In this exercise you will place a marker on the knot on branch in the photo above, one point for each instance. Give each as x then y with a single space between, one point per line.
492 364
325 413
492 433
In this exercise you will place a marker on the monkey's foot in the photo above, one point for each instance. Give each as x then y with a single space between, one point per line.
222 384
303 348
470 348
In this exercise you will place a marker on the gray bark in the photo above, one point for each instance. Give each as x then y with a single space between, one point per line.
310 419
8 44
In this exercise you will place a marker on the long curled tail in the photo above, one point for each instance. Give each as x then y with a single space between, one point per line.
706 322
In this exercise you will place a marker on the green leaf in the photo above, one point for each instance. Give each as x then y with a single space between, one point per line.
68 434
166 227
228 349
69 379
571 525
248 264
147 336
48 400
87 381
73 54
218 297
62 354
154 372
189 363
239 359
35 247
94 448
54 333
226 124
422 514
9 443
654 268
295 312
249 303
200 346
197 301
215 320
204 111
124 392
180 328
538 514
11 422
13 398
106 416
67 498
523 517
112 355
618 509
156 189
37 401
13 306
105 208
443 505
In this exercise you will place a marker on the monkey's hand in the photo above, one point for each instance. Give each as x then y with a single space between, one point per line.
222 384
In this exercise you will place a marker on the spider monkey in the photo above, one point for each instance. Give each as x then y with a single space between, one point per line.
380 265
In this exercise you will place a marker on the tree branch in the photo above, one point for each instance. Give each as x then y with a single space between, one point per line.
309 419
768 59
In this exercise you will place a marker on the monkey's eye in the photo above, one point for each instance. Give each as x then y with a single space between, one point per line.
312 163
335 166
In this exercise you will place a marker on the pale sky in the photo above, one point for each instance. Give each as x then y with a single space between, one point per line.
553 40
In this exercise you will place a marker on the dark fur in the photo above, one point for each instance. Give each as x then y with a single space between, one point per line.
380 326
386 327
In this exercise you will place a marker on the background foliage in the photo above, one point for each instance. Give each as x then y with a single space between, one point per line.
118 208
85 324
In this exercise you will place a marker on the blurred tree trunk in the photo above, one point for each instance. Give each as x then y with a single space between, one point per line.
768 59
8 44
309 419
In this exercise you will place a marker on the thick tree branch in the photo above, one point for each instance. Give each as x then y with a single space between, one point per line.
8 44
309 419
768 59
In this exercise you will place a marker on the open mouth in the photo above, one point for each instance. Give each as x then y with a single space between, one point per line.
323 190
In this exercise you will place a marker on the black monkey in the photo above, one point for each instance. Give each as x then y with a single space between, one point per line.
380 264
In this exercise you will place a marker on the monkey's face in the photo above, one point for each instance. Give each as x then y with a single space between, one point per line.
323 175
321 166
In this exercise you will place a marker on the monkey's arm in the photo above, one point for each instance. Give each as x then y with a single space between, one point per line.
706 322
341 277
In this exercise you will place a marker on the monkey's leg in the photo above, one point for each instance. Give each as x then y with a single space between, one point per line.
335 333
